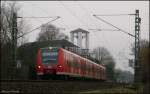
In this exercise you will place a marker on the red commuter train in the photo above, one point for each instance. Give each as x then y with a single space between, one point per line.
59 61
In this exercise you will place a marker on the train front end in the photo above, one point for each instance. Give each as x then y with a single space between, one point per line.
47 61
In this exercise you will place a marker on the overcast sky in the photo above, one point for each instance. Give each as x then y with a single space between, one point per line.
78 14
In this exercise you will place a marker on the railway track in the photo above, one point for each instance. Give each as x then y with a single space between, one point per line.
58 81
54 86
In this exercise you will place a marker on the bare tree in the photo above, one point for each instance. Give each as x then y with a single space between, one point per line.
123 76
22 28
8 8
50 32
104 57
144 60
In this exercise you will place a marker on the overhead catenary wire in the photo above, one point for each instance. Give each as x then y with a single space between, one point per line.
19 36
37 27
85 10
40 9
72 13
43 10
113 25
108 15
88 13
37 17
104 29
118 29
115 14
96 35
103 15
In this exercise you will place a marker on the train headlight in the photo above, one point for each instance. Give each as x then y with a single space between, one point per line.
39 67
50 48
59 66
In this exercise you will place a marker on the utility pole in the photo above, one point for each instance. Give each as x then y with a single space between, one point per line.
14 43
137 69
137 64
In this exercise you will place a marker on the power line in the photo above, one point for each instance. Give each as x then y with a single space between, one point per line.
37 28
89 12
109 29
115 14
45 13
72 13
40 9
118 29
104 29
83 8
105 21
33 29
113 26
35 20
36 17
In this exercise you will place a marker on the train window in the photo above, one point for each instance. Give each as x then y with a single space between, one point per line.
83 65
49 56
72 61
88 67
67 62
66 58
78 61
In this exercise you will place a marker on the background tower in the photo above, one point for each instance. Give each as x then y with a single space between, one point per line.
80 34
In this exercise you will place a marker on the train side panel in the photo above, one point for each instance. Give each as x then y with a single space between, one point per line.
74 65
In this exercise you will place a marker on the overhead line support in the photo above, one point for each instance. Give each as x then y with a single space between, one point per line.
137 63
137 66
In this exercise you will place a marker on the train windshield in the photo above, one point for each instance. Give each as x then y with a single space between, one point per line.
49 55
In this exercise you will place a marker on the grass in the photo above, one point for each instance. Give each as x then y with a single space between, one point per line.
114 90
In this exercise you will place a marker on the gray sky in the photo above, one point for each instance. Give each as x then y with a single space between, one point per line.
78 14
